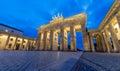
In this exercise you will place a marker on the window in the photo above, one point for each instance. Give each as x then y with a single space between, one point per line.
11 39
10 45
23 41
18 40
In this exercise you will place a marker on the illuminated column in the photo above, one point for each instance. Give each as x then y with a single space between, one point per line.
48 41
7 41
107 36
27 45
103 42
30 45
106 42
14 47
63 40
55 41
118 20
51 39
85 38
91 42
39 39
22 44
44 40
73 38
98 43
114 39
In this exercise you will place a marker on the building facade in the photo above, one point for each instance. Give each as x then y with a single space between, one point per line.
10 29
49 34
107 36
12 39
104 39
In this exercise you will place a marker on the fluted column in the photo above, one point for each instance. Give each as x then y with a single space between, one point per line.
91 43
7 41
38 41
41 37
107 36
48 41
15 43
22 44
114 39
99 45
51 39
63 40
44 40
55 41
85 38
97 42
106 42
73 38
103 42
27 45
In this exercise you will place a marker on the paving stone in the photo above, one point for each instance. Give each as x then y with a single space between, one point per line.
38 60
98 62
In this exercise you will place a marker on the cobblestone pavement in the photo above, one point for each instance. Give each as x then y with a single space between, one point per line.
38 60
98 62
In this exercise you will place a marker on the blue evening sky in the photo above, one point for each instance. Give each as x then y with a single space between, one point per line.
28 15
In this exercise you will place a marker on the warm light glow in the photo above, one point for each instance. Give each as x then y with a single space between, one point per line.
103 33
4 36
116 26
109 33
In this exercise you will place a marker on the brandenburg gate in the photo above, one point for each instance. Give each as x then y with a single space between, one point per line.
59 28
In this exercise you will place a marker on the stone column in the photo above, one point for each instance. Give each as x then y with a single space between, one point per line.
27 45
47 42
99 45
114 39
7 41
103 42
15 43
22 44
63 40
118 20
106 42
41 41
91 43
85 38
73 38
55 41
44 40
107 36
38 41
51 39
